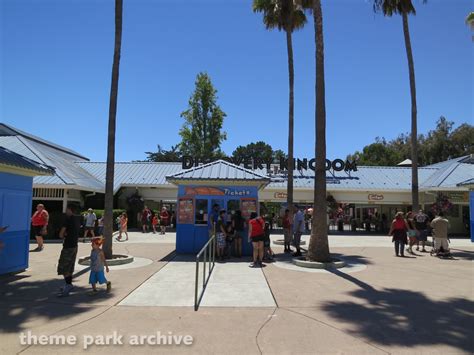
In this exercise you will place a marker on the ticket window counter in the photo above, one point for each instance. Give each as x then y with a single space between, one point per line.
194 212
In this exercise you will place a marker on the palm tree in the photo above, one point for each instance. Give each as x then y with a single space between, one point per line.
318 249
404 8
109 174
470 22
285 15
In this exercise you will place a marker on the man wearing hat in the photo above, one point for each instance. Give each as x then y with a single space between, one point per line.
90 219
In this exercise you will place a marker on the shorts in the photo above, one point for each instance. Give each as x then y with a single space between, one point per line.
97 276
163 223
38 231
422 235
239 235
257 238
89 228
297 239
287 235
67 260
412 233
220 240
441 242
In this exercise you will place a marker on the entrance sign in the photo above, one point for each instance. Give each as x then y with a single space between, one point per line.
375 197
254 163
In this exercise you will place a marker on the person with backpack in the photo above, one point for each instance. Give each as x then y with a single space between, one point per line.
238 224
256 236
398 231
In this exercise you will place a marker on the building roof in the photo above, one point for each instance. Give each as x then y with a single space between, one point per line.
450 173
219 170
133 173
365 178
66 171
18 164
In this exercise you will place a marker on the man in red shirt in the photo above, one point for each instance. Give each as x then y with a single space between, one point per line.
39 221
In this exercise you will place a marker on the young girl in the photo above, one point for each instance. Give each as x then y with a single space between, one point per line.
123 226
97 266
220 235
154 222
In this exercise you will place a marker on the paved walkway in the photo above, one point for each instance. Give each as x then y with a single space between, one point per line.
419 305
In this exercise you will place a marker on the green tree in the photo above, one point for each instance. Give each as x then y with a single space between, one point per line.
470 22
404 8
201 132
109 173
318 249
162 155
259 150
288 16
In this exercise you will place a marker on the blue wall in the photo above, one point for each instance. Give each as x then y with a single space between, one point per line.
15 212
190 236
471 209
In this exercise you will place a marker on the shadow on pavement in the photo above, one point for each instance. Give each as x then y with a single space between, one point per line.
23 302
405 318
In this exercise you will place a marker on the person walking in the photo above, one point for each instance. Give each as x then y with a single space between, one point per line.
256 235
154 222
398 231
298 226
164 219
146 216
101 225
89 220
238 223
221 233
123 226
69 233
412 232
286 223
440 227
98 261
39 221
421 224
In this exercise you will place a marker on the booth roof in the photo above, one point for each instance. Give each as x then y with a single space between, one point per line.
219 170
13 162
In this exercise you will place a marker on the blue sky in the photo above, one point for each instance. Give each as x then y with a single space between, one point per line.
56 59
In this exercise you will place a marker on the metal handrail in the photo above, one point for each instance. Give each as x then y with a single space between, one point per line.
210 259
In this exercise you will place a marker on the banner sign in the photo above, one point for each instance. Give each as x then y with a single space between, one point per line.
257 163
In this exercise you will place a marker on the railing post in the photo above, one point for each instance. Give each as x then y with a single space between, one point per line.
204 269
196 285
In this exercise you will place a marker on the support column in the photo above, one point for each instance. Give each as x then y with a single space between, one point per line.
65 200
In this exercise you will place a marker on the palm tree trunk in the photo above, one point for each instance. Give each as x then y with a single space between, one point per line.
414 131
318 249
291 76
109 174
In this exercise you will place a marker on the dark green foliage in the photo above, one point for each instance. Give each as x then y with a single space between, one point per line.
201 132
437 145
259 150
162 155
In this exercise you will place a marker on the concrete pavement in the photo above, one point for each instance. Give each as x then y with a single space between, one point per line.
421 305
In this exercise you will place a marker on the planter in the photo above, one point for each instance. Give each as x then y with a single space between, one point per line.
302 262
117 259
282 242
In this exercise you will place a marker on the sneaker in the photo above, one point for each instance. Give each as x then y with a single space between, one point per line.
92 292
253 265
109 286
66 290
424 250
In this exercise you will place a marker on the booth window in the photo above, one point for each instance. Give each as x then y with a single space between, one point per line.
232 206
201 212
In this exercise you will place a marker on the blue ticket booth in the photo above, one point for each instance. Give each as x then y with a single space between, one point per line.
16 188
229 186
